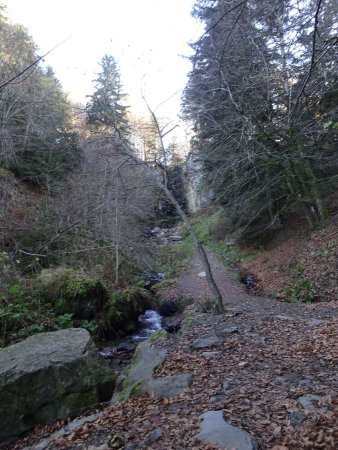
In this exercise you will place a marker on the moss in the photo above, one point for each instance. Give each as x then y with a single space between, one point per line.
71 292
136 390
122 397
126 305
162 286
187 321
158 335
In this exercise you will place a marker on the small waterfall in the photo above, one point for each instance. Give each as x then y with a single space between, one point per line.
149 322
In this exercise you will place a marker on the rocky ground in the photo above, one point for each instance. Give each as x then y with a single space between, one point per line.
266 367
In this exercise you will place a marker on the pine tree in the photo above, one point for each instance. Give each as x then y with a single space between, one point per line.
106 111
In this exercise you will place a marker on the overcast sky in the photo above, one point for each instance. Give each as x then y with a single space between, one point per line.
147 37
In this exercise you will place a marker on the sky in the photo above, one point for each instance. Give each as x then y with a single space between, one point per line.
148 38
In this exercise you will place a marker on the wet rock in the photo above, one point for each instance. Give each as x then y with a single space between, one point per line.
169 386
209 341
126 347
171 324
297 418
168 308
215 430
172 328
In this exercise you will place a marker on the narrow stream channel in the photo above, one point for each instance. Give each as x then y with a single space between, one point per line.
119 354
149 322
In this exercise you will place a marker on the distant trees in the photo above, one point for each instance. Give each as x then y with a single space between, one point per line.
36 137
106 111
262 97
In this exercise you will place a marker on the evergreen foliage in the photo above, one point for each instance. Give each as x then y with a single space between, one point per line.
262 97
36 137
106 111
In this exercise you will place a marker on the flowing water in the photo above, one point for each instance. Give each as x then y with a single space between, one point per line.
149 322
120 354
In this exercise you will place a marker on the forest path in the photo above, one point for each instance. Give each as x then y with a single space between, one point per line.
235 295
270 367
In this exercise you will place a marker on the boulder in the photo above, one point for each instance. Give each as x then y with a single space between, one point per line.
146 358
168 308
50 376
139 380
169 386
72 292
214 430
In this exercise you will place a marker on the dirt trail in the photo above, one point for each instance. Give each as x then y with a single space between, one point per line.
236 296
273 373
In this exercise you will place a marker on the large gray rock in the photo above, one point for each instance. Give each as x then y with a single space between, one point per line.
146 358
169 386
139 380
50 376
214 430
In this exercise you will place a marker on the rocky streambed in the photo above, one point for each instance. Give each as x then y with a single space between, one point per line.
118 354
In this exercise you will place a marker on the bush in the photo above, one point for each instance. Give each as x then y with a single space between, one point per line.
302 290
22 314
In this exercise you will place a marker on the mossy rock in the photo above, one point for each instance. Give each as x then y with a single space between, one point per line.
159 335
122 308
72 292
51 376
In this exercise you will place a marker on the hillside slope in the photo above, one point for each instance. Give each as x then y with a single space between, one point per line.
299 263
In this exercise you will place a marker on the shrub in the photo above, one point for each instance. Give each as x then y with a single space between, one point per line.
302 290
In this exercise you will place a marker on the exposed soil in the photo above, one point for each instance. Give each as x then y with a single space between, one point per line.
277 354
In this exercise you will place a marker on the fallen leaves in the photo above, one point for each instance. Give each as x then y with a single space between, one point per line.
265 377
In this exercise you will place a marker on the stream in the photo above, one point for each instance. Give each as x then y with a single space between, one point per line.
118 355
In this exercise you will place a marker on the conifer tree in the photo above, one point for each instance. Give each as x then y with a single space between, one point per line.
106 111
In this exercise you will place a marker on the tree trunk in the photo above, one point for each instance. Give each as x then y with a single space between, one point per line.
218 299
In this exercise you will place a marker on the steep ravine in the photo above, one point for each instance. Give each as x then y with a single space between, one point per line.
267 366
